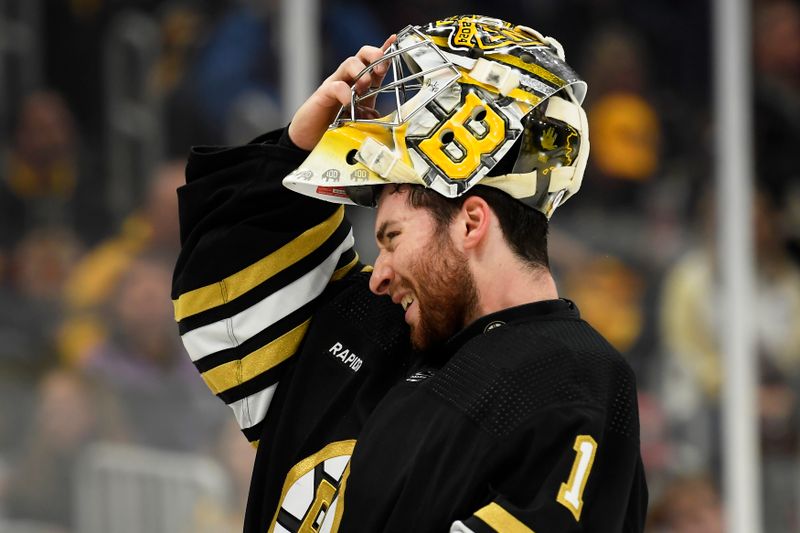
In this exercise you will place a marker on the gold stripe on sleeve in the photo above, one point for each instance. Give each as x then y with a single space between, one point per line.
228 375
501 520
230 288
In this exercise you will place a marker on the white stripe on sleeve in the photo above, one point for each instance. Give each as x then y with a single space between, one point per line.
251 410
233 331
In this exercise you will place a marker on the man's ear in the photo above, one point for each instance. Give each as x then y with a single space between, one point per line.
476 218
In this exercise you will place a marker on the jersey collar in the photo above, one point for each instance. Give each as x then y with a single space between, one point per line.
561 308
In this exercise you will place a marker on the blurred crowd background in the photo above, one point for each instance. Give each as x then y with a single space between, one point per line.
99 103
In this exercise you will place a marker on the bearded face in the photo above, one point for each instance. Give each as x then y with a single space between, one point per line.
422 269
446 293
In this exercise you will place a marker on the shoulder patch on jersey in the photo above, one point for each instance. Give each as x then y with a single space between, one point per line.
345 356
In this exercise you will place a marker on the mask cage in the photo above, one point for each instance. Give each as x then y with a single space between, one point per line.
403 87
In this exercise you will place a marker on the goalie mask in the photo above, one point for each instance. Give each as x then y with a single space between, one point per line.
473 100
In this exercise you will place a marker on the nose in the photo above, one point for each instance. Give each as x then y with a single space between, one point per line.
382 275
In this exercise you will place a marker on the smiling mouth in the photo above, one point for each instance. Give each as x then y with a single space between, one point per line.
406 301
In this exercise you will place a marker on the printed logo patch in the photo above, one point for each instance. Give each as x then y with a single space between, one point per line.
493 325
346 356
422 375
485 33
338 192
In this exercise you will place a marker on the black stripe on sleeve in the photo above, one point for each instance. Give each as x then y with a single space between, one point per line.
478 526
346 257
262 338
253 433
271 285
257 384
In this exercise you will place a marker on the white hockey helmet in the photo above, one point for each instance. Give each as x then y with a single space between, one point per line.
474 100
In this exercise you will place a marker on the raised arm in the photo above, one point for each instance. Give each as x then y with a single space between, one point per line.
256 257
317 113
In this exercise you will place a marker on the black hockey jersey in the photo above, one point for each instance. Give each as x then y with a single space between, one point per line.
531 424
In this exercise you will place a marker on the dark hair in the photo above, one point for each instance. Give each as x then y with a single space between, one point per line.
524 228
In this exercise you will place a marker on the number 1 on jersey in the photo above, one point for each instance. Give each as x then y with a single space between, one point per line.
571 493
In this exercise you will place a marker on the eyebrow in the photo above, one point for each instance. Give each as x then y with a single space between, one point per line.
381 233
